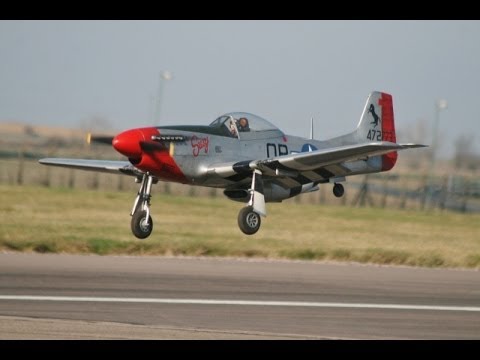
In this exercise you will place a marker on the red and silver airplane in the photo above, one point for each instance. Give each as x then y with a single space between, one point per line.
253 160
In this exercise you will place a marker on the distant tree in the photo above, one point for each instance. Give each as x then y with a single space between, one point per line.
96 124
30 131
465 156
56 142
416 133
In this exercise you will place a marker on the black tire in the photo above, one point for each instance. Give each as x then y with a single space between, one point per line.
138 227
249 221
338 190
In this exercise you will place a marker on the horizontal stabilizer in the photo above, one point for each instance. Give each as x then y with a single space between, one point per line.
412 146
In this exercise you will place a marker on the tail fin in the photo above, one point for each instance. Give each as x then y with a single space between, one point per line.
377 124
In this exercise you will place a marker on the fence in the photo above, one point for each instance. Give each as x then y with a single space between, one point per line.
402 191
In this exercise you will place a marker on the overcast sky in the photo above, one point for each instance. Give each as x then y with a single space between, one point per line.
63 73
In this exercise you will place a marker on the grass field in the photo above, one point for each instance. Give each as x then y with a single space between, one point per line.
81 221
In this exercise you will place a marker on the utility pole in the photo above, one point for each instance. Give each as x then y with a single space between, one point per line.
164 76
440 105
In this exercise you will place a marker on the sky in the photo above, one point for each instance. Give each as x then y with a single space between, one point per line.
67 73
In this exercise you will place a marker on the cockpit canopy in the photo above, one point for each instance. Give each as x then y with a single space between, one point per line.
246 126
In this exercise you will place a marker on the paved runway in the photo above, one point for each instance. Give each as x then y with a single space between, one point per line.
83 297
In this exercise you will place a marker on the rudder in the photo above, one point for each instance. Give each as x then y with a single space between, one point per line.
377 124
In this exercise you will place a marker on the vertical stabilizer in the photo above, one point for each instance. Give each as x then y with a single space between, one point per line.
377 124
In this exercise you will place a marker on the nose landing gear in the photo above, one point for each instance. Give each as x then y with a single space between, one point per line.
142 223
141 228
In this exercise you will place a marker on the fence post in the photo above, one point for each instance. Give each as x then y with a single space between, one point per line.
363 195
120 184
444 193
48 177
344 199
71 179
322 194
423 197
466 193
95 181
21 166
403 199
385 192
213 192
167 188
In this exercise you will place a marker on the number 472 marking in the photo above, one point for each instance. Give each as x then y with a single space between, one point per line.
374 135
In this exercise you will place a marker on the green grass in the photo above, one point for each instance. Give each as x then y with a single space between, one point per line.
56 220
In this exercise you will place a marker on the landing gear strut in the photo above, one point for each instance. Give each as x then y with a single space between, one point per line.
249 220
142 224
338 190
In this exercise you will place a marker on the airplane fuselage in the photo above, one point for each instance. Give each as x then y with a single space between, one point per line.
187 158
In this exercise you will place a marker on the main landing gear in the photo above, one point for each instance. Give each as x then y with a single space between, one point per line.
249 219
142 224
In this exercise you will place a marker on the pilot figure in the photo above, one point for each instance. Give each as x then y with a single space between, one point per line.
243 125
232 128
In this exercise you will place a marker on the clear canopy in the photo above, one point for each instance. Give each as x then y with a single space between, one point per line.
241 122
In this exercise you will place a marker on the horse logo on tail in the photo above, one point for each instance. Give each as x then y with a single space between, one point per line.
376 118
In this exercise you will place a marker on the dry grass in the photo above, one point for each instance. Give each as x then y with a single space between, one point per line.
77 221
18 128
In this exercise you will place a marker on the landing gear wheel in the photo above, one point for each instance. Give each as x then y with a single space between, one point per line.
338 190
139 227
249 221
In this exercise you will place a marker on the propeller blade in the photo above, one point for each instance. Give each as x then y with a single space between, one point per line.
101 139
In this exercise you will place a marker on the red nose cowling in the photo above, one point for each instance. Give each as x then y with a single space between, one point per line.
128 143
156 161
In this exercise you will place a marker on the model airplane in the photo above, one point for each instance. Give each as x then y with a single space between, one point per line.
253 160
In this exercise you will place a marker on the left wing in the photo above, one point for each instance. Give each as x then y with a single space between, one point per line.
106 166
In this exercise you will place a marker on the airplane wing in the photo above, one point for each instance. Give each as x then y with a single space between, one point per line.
106 166
320 158
306 167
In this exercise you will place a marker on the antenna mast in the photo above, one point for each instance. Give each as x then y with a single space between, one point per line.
311 128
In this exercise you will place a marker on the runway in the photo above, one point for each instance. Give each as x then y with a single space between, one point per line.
120 297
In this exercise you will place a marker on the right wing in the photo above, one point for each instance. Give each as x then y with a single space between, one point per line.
106 166
298 169
318 159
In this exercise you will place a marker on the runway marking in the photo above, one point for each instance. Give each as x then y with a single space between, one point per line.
239 302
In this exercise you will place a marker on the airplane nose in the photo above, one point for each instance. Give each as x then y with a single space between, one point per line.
128 143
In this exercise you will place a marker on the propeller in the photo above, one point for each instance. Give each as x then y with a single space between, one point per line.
101 139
